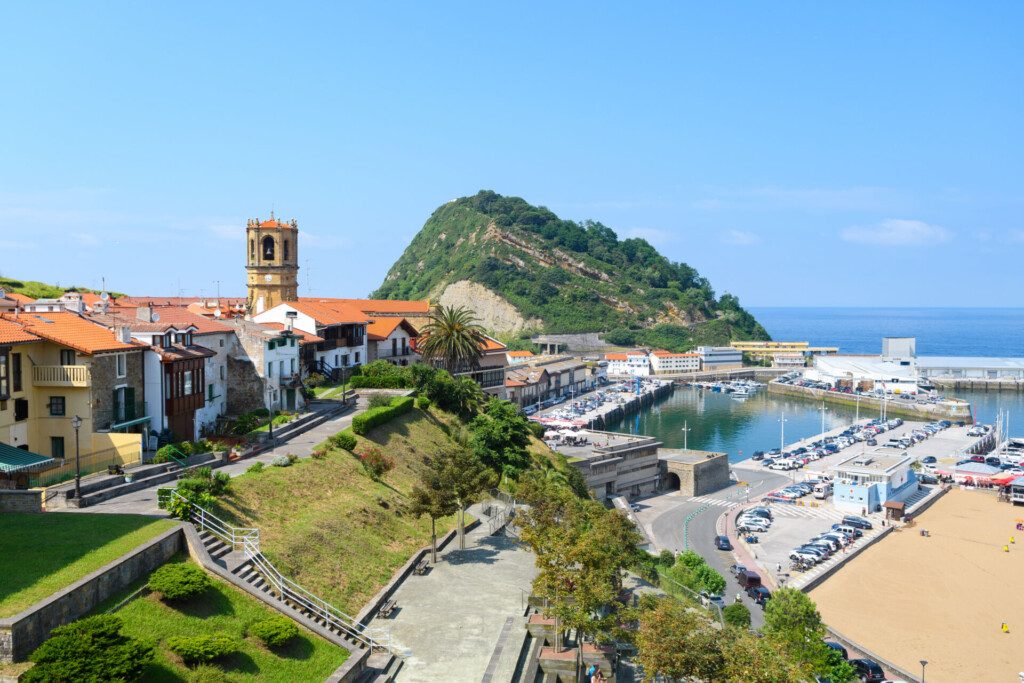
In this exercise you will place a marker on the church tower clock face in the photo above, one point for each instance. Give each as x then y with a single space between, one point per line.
268 278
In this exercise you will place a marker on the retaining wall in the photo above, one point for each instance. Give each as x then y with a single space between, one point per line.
24 632
914 411
20 500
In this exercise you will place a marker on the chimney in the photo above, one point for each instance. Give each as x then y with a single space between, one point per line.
291 316
124 334
144 313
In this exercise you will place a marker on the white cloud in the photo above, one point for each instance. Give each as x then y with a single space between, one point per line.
856 198
898 232
741 238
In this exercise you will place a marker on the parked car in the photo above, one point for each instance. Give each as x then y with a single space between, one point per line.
748 578
868 670
709 599
838 648
872 442
929 459
737 569
759 594
722 543
856 522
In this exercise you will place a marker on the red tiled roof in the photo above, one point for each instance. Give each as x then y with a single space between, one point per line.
13 333
381 328
521 354
329 312
181 317
74 331
493 345
514 383
20 298
615 356
275 223
177 301
303 337
371 306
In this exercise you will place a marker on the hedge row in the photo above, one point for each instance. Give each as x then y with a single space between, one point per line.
374 417
379 382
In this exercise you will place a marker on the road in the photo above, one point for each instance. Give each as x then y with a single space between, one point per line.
663 519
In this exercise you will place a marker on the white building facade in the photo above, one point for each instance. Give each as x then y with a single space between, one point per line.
666 362
633 363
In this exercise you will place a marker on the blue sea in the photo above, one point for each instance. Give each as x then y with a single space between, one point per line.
717 422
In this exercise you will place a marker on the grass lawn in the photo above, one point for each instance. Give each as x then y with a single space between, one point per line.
329 391
225 609
43 553
278 421
328 526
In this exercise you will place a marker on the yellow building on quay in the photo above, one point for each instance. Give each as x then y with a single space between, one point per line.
56 367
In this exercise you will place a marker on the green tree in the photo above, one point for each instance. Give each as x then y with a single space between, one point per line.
453 338
793 623
433 497
466 478
750 659
736 614
676 643
500 437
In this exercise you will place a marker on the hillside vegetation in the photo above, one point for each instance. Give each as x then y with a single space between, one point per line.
42 290
561 276
334 530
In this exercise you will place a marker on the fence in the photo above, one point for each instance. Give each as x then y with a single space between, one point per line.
674 588
96 461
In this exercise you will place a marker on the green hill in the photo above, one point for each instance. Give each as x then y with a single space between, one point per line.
523 269
42 290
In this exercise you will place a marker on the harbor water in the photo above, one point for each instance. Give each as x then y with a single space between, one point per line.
720 423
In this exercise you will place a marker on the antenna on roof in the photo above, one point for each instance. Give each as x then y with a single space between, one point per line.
104 296
155 318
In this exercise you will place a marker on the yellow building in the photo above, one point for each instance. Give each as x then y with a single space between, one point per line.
56 366
272 265
768 349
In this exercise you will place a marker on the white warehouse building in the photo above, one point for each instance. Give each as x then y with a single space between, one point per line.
864 373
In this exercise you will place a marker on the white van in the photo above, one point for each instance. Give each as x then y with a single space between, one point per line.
823 490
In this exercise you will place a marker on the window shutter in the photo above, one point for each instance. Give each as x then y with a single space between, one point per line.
129 403
116 412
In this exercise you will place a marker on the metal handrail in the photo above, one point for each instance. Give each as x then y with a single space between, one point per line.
249 540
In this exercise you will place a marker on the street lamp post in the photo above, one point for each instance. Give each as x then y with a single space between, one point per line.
686 434
823 411
857 401
76 424
924 663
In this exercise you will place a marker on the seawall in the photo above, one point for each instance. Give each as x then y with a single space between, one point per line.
978 384
633 405
947 410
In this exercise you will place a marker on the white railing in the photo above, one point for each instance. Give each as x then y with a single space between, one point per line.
248 539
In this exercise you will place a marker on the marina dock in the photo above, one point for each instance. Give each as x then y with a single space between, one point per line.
609 411
950 409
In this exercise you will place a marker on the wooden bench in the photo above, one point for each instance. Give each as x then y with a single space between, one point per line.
422 567
388 607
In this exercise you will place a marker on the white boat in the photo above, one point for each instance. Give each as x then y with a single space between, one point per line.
741 393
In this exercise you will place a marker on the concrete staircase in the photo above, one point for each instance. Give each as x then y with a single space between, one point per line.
916 497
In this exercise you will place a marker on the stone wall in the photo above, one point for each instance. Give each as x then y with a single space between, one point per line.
21 501
245 387
711 475
23 633
104 379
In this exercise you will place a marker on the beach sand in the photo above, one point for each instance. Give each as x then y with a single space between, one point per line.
941 598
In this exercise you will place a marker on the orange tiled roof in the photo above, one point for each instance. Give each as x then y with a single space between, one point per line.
493 345
381 328
371 306
182 317
303 337
225 301
328 311
514 383
74 331
13 333
275 223
521 354
615 356
661 353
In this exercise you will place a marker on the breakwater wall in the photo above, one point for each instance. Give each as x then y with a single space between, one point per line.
946 410
978 384
633 405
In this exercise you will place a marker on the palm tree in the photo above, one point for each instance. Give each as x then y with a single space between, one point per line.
453 338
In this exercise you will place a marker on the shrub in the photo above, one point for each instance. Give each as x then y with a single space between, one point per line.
179 581
187 448
92 649
166 453
376 463
275 631
202 649
736 614
318 454
667 558
344 440
422 402
292 458
255 468
246 423
374 417
280 461
537 429
380 401
315 379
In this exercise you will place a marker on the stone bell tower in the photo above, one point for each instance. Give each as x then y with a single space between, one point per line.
272 264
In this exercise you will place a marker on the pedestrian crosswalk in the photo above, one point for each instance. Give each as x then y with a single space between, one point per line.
710 500
806 512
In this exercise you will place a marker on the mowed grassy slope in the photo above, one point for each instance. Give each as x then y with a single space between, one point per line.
329 527
44 553
224 609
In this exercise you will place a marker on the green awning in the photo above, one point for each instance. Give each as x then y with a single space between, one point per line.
16 460
129 423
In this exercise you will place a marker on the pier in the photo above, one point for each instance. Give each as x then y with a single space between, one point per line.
607 413
950 409
972 384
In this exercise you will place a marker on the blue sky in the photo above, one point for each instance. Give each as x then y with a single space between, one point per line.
795 153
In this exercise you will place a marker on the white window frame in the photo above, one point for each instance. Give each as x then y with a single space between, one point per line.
121 363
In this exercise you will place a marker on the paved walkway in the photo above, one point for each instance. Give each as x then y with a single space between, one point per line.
144 502
463 620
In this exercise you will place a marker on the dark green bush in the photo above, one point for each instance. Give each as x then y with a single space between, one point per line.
422 402
736 614
537 429
275 631
374 417
202 649
344 440
179 581
92 649
255 468
315 379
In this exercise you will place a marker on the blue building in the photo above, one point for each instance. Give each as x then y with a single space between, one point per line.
867 482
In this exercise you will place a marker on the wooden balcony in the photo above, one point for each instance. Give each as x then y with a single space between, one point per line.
61 376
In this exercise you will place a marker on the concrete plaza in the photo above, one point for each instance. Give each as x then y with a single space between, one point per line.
463 620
